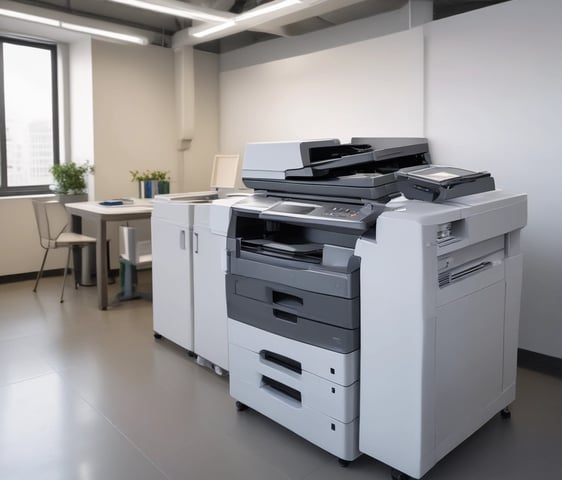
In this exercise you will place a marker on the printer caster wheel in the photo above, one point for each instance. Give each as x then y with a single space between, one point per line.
505 413
398 475
190 354
241 407
343 463
157 336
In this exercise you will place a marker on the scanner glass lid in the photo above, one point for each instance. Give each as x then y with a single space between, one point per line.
441 175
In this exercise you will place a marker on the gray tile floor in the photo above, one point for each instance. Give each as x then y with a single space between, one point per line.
88 395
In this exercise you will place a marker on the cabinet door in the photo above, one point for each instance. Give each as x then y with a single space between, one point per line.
172 296
210 320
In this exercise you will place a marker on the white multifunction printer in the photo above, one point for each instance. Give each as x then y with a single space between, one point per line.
364 320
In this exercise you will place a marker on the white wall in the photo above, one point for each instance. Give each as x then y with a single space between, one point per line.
374 87
494 102
326 39
81 107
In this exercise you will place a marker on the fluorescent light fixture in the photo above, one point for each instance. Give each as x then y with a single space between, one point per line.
29 18
265 9
215 29
106 33
179 11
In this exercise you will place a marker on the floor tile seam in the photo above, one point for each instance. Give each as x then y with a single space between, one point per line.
19 337
33 377
116 428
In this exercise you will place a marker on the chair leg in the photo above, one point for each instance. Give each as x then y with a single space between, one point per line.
65 272
40 272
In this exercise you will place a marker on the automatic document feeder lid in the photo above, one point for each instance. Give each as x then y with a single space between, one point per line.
440 183
362 169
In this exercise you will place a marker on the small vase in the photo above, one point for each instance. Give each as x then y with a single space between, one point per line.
147 188
163 187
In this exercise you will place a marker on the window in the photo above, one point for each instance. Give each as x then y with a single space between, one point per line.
28 116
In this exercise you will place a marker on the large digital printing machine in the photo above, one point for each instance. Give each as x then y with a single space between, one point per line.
367 321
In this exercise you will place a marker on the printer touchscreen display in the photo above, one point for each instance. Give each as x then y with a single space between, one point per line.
294 208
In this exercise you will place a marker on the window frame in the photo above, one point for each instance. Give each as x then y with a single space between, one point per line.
6 190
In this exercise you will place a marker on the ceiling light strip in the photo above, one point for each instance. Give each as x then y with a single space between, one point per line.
124 37
185 12
255 12
29 18
265 9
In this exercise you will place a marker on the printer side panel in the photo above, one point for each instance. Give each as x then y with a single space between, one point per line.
397 344
440 294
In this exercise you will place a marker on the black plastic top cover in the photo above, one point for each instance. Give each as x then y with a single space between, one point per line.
440 183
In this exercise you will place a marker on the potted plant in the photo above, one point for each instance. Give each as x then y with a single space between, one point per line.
151 182
70 179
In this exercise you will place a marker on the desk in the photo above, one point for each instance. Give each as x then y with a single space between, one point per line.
101 215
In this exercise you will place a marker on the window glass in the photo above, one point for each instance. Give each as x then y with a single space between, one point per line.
28 111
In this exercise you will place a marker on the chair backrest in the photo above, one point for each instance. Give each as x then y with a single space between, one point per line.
131 250
51 219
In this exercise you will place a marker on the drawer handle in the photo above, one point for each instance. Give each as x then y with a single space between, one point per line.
288 317
286 299
281 388
282 361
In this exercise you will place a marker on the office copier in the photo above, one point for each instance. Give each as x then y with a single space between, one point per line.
366 321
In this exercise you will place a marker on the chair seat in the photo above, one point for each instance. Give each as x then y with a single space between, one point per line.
52 222
69 239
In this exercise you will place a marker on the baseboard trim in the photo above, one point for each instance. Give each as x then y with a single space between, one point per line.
20 277
539 362
57 272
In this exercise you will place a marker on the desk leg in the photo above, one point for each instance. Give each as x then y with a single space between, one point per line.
101 264
76 227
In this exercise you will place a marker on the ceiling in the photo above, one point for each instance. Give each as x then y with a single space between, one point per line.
319 15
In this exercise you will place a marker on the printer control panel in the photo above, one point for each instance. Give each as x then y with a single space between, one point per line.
342 212
327 215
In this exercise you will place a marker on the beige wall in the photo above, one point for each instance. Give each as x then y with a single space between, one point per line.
134 117
198 159
19 243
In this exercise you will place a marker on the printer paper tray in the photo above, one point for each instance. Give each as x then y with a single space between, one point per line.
316 393
328 309
339 368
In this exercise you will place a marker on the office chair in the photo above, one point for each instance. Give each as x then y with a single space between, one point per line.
52 223
134 255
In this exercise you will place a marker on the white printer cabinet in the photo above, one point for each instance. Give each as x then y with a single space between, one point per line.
209 267
172 272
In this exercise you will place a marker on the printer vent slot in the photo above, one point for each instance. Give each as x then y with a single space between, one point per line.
282 388
282 361
446 278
